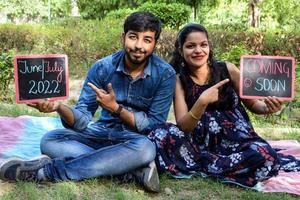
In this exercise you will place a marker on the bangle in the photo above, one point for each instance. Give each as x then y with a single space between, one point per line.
193 116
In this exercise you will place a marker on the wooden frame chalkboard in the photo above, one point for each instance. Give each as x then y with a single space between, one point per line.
263 76
40 77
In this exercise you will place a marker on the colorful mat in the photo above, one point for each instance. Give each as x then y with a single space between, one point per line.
20 136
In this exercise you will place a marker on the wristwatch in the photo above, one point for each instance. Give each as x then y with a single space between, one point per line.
117 112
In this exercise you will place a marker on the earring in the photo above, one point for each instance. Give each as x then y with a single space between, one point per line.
182 64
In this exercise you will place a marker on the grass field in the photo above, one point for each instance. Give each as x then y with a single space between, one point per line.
106 188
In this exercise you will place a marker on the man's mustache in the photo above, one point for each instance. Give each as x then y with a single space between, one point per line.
136 51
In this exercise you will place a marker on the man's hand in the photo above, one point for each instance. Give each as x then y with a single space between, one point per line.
211 95
45 106
106 99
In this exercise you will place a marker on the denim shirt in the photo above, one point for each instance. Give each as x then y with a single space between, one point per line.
148 96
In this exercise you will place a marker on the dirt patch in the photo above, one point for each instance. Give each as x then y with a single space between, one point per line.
5 187
75 87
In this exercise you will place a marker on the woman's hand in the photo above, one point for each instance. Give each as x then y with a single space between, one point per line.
272 105
211 95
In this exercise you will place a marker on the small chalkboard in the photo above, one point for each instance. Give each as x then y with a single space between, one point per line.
40 77
263 76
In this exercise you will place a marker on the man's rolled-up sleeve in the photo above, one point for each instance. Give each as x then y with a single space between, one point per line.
141 121
160 106
81 121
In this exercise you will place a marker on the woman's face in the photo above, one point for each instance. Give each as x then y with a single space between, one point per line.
195 49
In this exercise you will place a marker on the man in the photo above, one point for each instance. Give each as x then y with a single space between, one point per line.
135 88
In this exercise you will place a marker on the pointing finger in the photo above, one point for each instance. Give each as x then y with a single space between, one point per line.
223 82
93 87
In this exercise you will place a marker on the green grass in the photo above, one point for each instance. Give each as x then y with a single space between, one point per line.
14 110
106 188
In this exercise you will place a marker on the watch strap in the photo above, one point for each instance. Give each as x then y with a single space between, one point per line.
117 112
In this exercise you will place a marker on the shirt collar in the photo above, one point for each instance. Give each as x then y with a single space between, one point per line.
121 65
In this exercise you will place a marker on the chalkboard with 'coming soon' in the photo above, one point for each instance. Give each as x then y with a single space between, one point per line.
263 76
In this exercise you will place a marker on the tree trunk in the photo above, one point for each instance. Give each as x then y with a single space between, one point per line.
254 13
75 10
195 9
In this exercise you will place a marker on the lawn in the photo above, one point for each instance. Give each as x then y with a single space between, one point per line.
106 188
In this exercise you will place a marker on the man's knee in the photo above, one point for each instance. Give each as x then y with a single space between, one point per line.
48 141
147 150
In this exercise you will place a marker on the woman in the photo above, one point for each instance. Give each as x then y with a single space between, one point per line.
213 134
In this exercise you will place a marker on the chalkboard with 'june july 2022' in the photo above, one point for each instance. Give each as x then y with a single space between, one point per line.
41 77
263 76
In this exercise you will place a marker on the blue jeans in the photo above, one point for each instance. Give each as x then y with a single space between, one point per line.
96 151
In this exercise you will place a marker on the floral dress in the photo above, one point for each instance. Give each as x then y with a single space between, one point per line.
223 144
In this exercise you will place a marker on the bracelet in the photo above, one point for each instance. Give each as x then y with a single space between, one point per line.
193 116
117 112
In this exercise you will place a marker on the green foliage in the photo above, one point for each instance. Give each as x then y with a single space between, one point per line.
120 14
233 53
83 41
172 15
227 15
26 8
165 45
97 9
283 14
281 43
31 10
6 73
21 37
60 8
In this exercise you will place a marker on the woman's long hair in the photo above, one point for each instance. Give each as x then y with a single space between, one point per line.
181 67
177 60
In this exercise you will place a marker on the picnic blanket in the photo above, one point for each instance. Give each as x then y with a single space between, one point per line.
20 136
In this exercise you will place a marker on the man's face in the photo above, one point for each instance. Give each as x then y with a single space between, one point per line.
138 47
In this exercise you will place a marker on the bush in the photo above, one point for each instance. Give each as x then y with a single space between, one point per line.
21 37
227 15
165 45
84 41
120 14
281 43
268 43
234 53
6 73
172 15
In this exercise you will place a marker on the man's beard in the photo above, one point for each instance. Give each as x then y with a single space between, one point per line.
134 61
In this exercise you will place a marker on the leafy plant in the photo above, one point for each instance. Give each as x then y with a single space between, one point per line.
172 15
234 53
119 14
6 73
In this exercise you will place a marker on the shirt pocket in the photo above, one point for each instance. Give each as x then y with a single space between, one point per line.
143 103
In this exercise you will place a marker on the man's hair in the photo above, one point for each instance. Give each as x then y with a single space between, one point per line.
143 21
